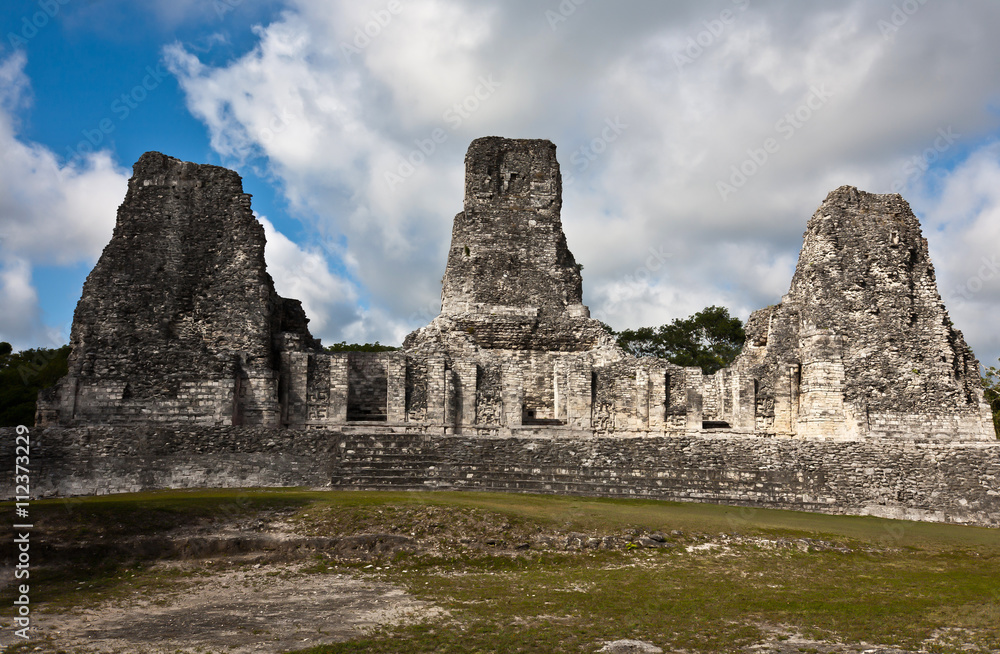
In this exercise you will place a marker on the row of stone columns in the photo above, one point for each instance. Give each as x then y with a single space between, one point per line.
452 392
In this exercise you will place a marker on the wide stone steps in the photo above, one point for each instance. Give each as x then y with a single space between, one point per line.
370 482
538 483
374 470
416 463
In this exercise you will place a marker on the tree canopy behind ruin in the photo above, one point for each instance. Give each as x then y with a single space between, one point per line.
991 384
710 339
22 375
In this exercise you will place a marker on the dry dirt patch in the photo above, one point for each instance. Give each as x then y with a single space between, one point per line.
271 608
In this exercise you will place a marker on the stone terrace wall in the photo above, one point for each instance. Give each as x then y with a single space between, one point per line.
932 481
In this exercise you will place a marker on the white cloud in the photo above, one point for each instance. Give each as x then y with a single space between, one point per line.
303 274
295 100
20 320
50 213
962 221
869 104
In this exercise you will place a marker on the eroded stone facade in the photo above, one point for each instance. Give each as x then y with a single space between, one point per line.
179 323
862 344
179 320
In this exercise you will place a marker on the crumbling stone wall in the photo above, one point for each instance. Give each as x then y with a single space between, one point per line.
489 399
934 481
416 391
320 371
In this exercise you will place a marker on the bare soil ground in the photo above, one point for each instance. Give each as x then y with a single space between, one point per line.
272 607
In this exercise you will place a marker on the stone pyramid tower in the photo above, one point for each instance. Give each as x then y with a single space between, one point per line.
179 320
511 281
862 342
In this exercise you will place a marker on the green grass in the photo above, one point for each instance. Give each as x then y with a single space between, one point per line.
150 513
697 602
894 583
569 513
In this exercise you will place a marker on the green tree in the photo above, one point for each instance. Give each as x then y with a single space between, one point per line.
22 375
710 339
344 346
991 384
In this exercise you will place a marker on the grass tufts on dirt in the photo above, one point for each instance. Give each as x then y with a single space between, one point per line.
527 573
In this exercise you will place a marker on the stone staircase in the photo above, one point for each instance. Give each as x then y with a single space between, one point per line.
415 462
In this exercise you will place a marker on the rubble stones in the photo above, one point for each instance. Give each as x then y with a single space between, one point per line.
629 647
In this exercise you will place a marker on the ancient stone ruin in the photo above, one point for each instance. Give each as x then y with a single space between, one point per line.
179 320
179 324
862 344
854 395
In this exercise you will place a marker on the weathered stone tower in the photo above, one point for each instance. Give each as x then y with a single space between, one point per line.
511 281
513 324
862 343
179 320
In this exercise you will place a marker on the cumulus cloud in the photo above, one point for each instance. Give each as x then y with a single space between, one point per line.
655 109
50 213
20 320
962 217
303 274
303 103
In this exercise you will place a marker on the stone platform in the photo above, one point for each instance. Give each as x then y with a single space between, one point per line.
917 480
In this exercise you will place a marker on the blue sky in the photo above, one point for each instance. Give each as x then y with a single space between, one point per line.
327 109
